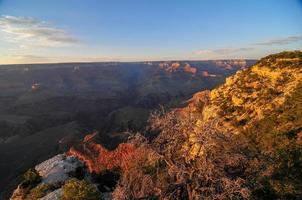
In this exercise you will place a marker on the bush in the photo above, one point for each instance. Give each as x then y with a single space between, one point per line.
38 192
30 178
75 189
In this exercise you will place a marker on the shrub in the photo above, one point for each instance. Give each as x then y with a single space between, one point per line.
164 170
140 180
75 189
31 176
31 179
38 192
202 163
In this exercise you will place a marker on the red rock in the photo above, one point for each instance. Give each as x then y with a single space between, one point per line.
97 158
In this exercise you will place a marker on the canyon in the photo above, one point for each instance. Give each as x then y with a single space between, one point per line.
47 108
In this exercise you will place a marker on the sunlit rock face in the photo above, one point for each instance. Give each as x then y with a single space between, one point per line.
270 89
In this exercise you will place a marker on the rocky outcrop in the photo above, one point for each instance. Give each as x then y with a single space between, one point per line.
229 64
58 168
177 67
53 173
263 105
190 69
196 103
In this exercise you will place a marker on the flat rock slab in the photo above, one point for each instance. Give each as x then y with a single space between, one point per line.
58 168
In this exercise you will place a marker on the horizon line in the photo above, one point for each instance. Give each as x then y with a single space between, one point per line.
138 61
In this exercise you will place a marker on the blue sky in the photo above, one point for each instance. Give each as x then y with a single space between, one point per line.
135 30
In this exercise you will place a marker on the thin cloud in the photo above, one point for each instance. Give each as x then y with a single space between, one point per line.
281 41
33 32
31 58
22 59
201 52
222 51
11 20
231 50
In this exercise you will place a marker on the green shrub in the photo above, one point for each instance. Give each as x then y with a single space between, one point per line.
75 189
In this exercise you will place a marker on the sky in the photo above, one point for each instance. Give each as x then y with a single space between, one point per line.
40 31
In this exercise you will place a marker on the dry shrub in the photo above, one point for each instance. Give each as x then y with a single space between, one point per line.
139 181
217 173
160 169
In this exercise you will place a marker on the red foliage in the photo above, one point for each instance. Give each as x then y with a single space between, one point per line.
97 158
